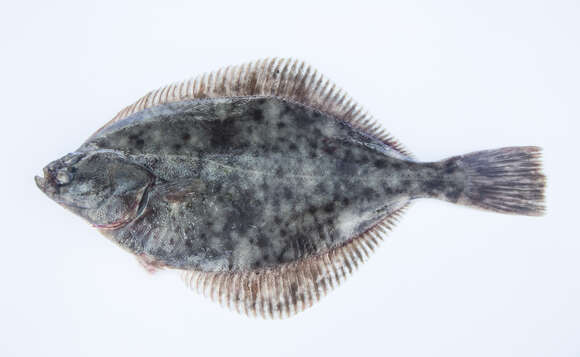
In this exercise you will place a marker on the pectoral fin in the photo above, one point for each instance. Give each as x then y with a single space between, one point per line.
130 184
181 190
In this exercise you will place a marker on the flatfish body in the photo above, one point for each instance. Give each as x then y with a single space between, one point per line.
265 184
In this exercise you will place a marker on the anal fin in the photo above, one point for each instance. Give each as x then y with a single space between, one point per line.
286 290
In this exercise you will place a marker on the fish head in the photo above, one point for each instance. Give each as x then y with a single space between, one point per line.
103 187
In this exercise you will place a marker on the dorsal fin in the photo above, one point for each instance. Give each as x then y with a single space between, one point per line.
285 290
288 79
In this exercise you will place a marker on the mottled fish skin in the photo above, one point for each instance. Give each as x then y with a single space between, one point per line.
265 184
263 181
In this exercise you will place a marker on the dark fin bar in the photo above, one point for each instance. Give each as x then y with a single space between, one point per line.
506 180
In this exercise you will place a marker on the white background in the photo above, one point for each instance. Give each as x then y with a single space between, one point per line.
445 77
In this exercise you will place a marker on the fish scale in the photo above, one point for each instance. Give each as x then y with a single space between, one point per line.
266 185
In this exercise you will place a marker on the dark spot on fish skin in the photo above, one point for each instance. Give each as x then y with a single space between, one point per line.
293 147
276 201
397 165
285 109
243 145
369 193
281 125
321 188
267 258
288 195
381 163
101 142
264 186
228 244
329 207
312 210
432 187
388 190
279 171
363 159
262 242
453 194
222 133
176 147
283 251
140 143
186 137
258 115
256 264
277 220
348 155
450 166
217 187
283 232
329 148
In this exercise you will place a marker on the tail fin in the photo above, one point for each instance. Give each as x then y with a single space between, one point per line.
507 180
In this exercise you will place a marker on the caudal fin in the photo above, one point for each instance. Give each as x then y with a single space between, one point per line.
507 180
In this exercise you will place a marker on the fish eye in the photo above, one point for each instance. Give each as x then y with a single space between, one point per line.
63 177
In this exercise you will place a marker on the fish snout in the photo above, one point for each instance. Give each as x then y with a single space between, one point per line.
47 182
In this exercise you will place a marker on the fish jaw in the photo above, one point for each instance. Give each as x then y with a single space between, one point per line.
46 183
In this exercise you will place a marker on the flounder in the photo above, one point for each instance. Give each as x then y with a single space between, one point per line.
266 184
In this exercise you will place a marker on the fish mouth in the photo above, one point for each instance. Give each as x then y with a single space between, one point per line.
42 181
39 182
